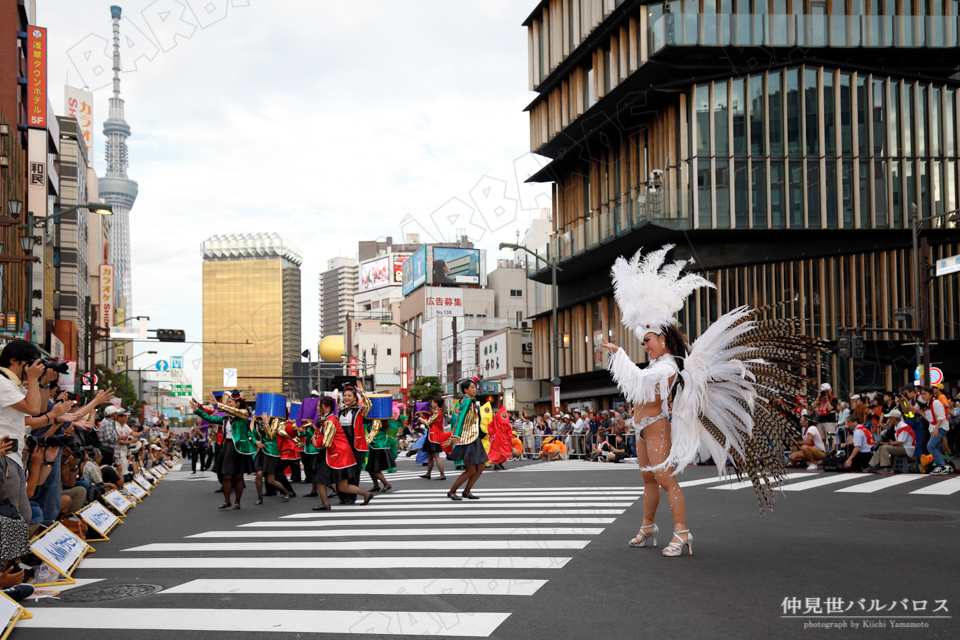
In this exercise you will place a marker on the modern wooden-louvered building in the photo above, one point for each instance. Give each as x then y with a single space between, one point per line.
781 144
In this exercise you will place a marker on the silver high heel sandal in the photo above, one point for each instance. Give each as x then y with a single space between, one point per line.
641 539
675 548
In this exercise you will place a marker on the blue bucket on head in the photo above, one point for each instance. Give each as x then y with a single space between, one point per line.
294 410
272 404
382 406
218 395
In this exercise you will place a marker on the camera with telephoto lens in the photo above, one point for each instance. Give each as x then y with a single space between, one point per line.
59 367
50 441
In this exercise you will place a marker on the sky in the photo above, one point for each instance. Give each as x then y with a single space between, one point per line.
328 122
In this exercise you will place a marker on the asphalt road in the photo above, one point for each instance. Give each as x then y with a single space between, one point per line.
546 556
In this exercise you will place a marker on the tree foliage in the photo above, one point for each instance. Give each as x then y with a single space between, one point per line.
426 388
123 387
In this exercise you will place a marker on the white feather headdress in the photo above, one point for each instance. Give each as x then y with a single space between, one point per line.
649 293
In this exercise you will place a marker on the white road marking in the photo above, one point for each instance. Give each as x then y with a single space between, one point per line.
367 545
380 522
363 533
877 485
376 587
477 625
368 562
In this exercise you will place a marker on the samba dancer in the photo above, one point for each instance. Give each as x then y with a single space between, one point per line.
466 436
236 453
735 395
436 436
354 408
335 464
268 462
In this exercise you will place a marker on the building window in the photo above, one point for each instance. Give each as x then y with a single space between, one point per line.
516 293
389 352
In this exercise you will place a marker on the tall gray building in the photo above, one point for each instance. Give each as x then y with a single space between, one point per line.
116 188
338 286
71 281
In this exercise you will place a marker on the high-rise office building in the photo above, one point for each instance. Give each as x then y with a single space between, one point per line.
251 311
783 147
338 286
116 188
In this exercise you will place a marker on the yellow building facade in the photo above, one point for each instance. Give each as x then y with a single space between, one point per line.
251 312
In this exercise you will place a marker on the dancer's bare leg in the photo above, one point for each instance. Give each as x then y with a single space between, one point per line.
657 436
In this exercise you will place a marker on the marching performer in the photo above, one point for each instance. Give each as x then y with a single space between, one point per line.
467 438
501 439
436 436
335 464
268 461
306 428
380 457
236 453
354 408
734 394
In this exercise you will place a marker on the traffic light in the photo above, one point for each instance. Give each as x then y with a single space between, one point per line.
843 347
171 335
859 350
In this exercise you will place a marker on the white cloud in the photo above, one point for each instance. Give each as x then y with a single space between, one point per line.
323 121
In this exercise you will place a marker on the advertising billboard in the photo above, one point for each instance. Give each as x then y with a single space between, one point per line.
398 268
455 266
375 273
415 270
37 77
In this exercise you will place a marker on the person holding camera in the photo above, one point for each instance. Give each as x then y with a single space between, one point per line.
20 397
827 405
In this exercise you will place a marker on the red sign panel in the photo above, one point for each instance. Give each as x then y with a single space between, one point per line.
37 77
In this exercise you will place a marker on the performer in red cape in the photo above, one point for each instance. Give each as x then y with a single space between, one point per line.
500 438
436 437
336 463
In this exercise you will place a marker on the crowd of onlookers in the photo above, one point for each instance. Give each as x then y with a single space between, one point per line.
58 455
870 431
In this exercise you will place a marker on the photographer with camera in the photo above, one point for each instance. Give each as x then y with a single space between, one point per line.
20 397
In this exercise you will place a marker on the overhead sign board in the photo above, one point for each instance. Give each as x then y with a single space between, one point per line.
37 77
948 266
455 266
375 274
415 270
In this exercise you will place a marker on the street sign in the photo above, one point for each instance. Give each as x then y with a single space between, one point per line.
229 378
90 379
948 265
176 362
936 375
163 365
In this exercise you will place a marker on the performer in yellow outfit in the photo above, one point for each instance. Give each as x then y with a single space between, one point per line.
486 417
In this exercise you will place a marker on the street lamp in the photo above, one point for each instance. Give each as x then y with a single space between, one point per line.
387 323
554 267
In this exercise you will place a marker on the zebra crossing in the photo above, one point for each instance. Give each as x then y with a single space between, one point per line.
415 545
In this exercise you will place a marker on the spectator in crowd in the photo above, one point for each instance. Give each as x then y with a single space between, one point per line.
600 451
842 413
810 449
910 408
110 469
827 407
581 429
936 416
862 446
901 444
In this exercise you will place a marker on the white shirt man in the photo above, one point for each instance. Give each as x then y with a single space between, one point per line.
811 448
903 445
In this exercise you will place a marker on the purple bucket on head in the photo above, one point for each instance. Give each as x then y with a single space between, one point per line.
421 406
308 411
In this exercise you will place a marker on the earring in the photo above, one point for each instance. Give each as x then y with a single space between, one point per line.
663 345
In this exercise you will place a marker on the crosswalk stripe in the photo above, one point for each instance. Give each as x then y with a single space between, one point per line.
367 545
696 483
877 485
733 486
362 533
331 562
375 587
477 625
945 488
821 482
441 496
540 490
367 513
631 495
380 523
466 504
